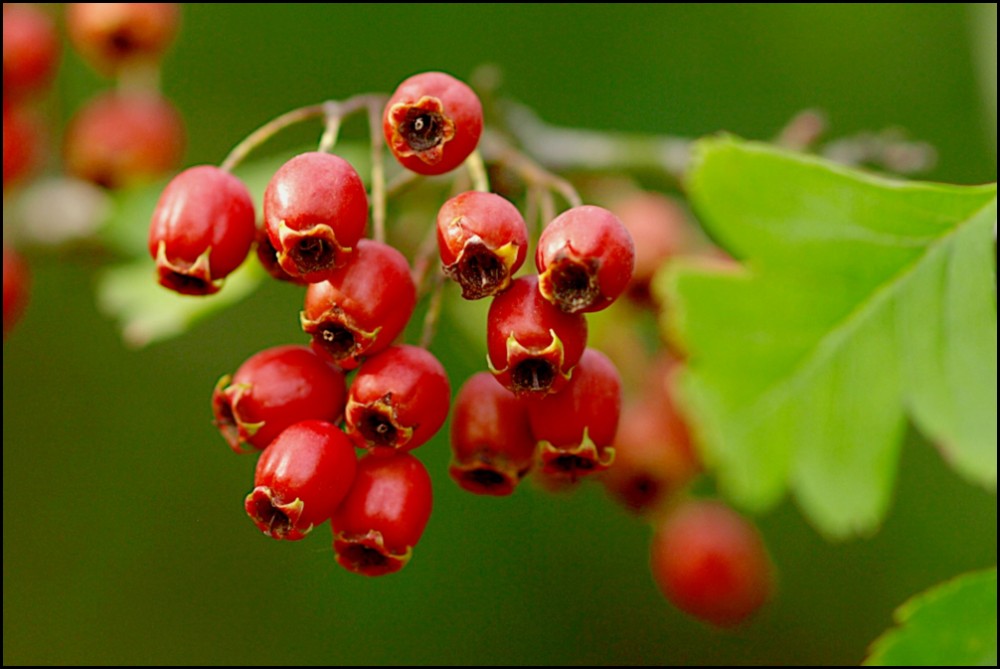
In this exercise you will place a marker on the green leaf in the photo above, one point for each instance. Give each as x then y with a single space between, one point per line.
952 624
863 302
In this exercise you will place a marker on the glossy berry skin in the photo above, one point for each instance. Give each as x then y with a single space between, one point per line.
202 230
383 516
532 345
273 390
432 123
492 445
575 428
16 287
315 213
117 139
711 563
22 140
111 35
585 259
398 400
483 241
30 50
301 479
363 306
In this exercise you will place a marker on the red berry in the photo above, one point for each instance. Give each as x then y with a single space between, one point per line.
491 441
119 139
273 390
362 307
398 400
16 284
432 123
661 230
483 240
30 50
585 259
576 427
383 516
315 211
202 230
21 144
533 346
113 34
301 479
711 563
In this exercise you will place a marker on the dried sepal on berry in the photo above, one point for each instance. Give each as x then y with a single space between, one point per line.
432 123
483 241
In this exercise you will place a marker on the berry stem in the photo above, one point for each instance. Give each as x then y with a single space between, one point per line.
477 172
259 136
331 132
433 314
379 196
422 261
529 170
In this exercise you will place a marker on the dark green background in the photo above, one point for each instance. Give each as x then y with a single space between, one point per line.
124 537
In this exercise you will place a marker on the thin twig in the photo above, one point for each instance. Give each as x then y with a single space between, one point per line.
477 172
259 136
433 311
378 168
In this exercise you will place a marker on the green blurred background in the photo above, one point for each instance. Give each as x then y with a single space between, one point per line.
124 537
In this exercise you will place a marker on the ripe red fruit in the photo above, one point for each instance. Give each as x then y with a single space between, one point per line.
483 241
432 123
711 563
273 390
118 139
301 479
315 212
110 35
491 441
585 259
576 427
398 400
30 50
532 345
362 307
383 516
21 144
16 284
202 230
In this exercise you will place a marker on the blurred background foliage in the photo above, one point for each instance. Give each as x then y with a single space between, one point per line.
124 537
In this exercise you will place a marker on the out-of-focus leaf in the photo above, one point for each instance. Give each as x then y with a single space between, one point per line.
863 302
953 624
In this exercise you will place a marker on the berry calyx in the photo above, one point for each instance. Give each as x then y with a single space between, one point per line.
492 445
16 284
273 390
432 123
301 479
202 230
712 563
362 307
576 427
483 240
585 259
315 213
110 35
120 139
532 345
383 516
398 400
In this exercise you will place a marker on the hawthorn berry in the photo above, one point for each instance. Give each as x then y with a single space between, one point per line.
575 428
110 35
383 516
30 50
432 123
273 390
121 139
362 307
585 259
532 345
398 400
315 213
201 230
21 144
16 284
711 563
492 445
301 479
483 240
